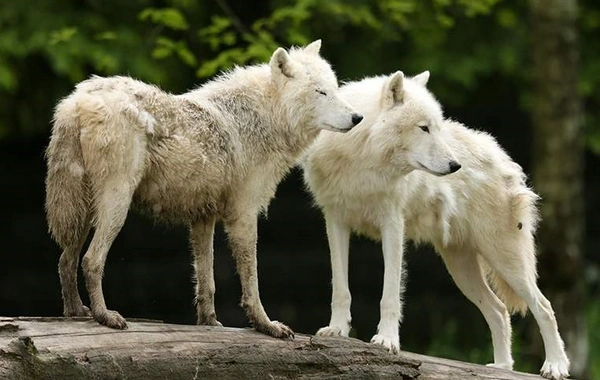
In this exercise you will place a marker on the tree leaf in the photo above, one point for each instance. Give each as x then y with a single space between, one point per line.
169 17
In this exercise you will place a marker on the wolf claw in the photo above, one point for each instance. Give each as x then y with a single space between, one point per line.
112 319
391 344
555 370
330 331
276 329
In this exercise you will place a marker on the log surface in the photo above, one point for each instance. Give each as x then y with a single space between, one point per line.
68 348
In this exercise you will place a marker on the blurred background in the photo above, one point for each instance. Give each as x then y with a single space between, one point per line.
526 71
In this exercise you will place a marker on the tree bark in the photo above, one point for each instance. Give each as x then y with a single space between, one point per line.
558 166
59 348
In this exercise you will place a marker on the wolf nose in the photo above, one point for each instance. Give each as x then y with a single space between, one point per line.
454 166
356 118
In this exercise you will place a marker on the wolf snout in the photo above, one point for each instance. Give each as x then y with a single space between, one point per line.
454 166
357 118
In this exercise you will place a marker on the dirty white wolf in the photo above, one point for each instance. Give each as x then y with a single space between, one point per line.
390 179
213 154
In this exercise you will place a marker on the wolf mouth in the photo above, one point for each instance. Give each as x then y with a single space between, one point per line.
331 127
425 168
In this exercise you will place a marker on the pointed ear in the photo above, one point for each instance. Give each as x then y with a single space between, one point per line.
422 78
393 90
281 64
314 47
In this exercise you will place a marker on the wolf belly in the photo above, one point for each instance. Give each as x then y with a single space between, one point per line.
182 182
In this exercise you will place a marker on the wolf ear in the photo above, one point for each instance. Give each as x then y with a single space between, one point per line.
422 78
393 91
314 47
281 64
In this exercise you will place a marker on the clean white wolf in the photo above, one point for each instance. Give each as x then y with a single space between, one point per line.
387 179
213 154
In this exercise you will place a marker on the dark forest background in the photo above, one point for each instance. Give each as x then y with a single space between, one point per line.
527 72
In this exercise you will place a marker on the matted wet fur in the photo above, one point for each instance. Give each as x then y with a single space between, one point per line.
390 179
214 153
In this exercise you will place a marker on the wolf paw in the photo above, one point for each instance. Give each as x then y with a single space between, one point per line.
392 344
331 331
82 311
508 366
112 319
276 329
555 370
212 323
209 321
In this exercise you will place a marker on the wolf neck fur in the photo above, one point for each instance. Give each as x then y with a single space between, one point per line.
279 130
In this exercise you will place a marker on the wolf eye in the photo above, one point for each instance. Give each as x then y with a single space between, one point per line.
424 128
321 92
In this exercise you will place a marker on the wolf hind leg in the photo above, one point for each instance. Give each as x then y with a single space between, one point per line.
114 174
514 260
112 206
67 269
464 267
202 235
115 157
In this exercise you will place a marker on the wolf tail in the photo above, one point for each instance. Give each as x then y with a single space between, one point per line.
514 303
67 198
523 223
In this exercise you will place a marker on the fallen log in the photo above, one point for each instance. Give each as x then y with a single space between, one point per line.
81 349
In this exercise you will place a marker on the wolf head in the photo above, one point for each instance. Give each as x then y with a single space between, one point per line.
411 121
309 89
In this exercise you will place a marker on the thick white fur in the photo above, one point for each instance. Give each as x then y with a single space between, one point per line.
377 180
215 153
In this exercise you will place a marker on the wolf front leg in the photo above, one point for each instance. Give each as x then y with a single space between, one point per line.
201 236
392 239
242 233
339 240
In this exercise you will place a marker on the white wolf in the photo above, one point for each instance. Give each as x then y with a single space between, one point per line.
213 154
377 180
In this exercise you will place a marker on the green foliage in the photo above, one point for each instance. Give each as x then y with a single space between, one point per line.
169 17
297 23
444 346
8 81
593 320
592 132
223 37
459 41
590 74
62 35
47 46
165 47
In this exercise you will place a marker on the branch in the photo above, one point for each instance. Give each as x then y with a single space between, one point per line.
237 23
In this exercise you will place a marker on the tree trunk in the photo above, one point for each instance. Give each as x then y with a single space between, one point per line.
558 169
81 349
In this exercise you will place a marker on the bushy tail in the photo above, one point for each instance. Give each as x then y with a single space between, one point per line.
514 303
523 223
67 200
